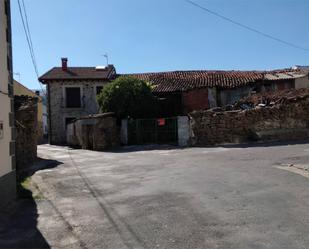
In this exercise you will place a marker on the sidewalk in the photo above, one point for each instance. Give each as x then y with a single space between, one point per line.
33 221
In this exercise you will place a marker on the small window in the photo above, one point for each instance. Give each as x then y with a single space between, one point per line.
1 130
6 8
9 63
7 35
73 97
99 89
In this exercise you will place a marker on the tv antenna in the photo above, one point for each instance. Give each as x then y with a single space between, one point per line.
106 57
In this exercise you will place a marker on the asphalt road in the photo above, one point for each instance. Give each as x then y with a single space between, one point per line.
161 197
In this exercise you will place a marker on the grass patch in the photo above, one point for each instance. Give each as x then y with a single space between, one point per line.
38 196
26 183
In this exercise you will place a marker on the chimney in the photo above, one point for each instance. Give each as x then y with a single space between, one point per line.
64 64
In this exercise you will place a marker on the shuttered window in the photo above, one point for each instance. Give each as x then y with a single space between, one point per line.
99 89
73 97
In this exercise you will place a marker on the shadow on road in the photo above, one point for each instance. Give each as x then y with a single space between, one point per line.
18 221
152 147
148 147
266 144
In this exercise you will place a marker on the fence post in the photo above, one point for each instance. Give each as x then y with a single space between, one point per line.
183 130
124 131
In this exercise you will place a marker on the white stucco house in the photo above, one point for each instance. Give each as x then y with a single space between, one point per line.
7 145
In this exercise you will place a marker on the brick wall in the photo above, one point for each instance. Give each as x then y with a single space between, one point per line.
287 120
196 99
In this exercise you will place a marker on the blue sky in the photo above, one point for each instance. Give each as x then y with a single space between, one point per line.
159 35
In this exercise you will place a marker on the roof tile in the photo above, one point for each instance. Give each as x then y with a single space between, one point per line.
79 73
186 80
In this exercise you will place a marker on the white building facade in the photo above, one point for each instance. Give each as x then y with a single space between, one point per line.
7 144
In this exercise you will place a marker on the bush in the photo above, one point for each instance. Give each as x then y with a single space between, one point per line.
128 97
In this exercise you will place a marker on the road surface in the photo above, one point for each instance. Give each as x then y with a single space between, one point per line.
166 197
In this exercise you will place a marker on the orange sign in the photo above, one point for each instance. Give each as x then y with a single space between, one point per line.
161 121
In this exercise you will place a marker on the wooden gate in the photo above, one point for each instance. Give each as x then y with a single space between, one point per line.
153 131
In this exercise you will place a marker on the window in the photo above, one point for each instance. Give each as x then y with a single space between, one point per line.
9 63
7 35
73 97
6 8
1 129
99 89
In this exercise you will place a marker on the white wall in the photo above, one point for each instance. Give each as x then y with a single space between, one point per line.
5 103
5 159
183 125
45 120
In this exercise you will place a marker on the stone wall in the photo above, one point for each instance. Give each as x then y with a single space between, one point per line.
95 132
26 122
58 111
287 120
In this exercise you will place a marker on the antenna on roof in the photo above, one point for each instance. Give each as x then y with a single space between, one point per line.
106 56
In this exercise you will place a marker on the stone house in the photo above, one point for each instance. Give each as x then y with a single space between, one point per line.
7 130
72 94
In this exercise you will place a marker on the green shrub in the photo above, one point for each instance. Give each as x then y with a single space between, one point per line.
128 97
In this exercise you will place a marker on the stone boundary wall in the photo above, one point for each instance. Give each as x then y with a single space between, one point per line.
26 123
96 132
286 120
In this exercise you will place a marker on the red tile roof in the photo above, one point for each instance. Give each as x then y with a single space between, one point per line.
186 80
79 73
175 81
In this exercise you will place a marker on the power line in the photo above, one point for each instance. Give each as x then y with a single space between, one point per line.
246 26
27 37
26 28
29 33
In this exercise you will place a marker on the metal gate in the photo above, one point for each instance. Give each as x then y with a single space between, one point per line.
153 131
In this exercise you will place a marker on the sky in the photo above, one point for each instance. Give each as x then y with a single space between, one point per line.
159 35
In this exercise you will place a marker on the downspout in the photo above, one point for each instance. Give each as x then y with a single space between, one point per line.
49 116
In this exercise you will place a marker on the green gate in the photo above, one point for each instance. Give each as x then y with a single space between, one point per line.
153 131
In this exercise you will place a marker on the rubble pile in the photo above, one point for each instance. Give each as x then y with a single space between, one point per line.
271 98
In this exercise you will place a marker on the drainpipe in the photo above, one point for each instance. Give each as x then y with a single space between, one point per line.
49 116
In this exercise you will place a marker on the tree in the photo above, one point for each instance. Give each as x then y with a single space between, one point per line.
128 97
